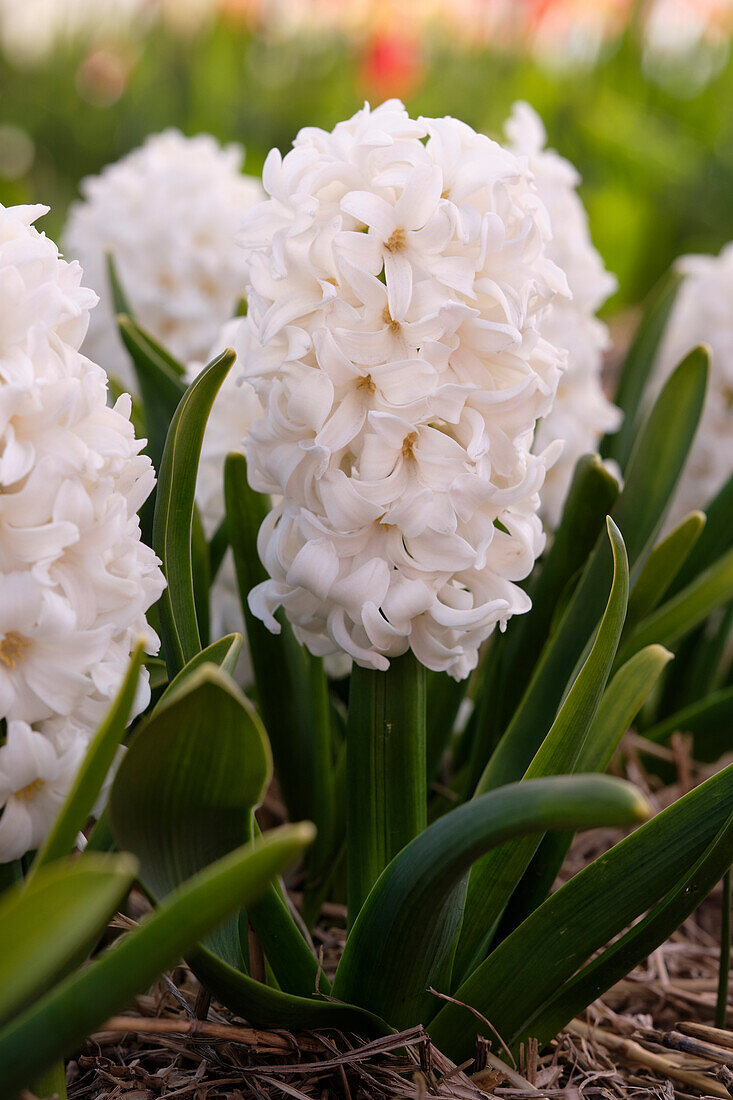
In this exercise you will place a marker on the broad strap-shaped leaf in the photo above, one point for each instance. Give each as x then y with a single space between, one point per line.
264 1006
412 915
710 720
653 471
184 796
687 609
638 366
48 925
662 566
117 291
641 940
621 702
174 508
292 693
89 780
592 494
584 915
714 540
223 653
161 385
495 877
58 1022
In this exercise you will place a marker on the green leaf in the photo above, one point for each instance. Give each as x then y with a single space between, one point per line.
291 686
591 496
710 720
117 293
653 471
89 779
161 386
680 614
621 702
662 566
637 368
223 653
639 942
714 540
184 796
385 766
584 915
496 875
174 508
444 698
267 1007
48 925
411 917
55 1025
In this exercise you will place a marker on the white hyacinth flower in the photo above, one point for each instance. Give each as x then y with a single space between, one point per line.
75 579
398 284
702 315
167 213
581 413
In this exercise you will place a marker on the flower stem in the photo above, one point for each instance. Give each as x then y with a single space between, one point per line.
724 964
385 761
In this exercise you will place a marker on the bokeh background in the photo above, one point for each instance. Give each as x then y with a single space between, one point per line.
639 95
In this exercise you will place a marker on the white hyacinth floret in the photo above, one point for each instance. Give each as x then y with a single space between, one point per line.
398 284
702 314
581 413
167 213
75 579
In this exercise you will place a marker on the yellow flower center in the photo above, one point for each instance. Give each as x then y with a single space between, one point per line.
407 445
12 647
396 242
366 383
394 326
28 793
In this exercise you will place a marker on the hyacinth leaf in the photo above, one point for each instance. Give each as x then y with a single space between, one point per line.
592 494
58 1022
687 609
184 796
444 698
201 565
715 539
292 693
496 875
639 942
709 720
653 471
223 653
120 300
160 385
48 925
411 917
662 566
584 915
264 1006
638 366
385 770
621 702
174 510
89 779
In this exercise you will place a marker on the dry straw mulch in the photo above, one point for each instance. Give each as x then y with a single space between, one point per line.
650 1036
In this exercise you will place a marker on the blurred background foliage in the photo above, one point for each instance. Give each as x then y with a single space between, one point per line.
637 95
